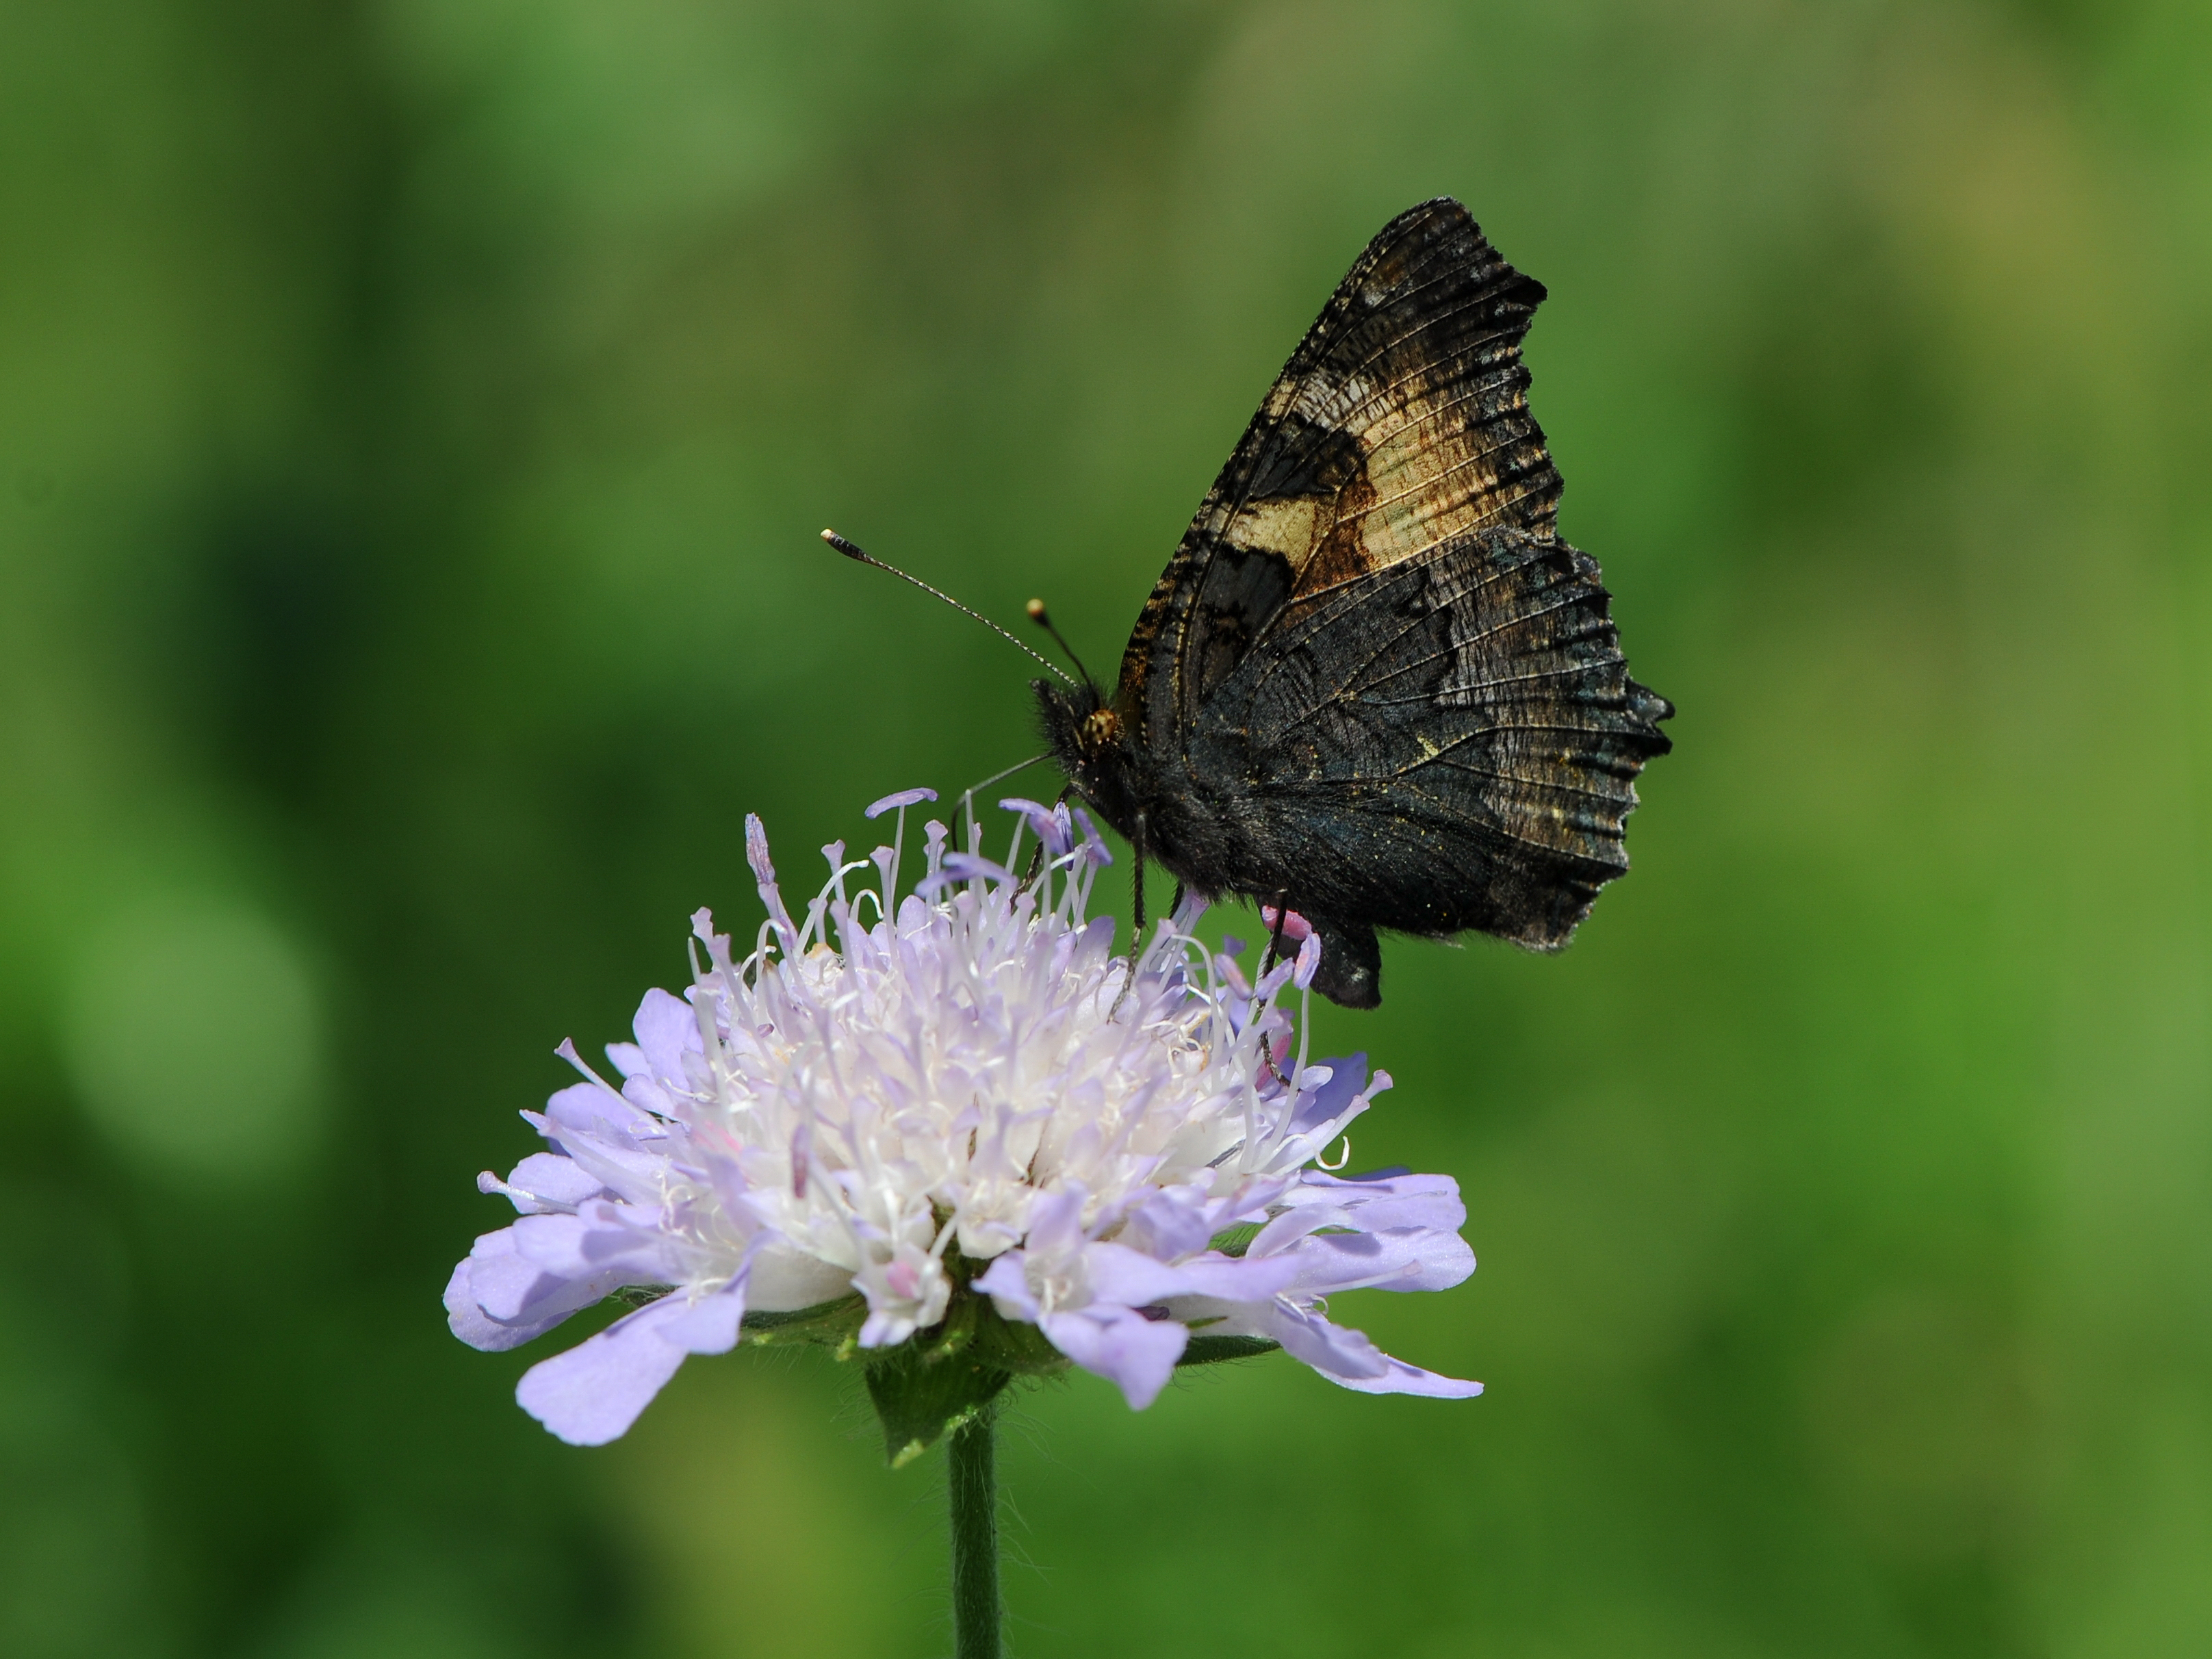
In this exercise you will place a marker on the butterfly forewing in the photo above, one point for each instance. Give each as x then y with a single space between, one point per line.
1400 423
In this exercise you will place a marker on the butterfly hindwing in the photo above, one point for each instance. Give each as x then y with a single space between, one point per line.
1447 741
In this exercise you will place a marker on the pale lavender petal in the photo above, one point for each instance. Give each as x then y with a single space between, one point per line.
497 1300
1333 1350
1007 1283
1291 1225
601 1237
667 1029
1318 1186
784 1278
514 1293
1056 1220
598 1111
708 1324
1309 962
649 1094
1412 1259
891 803
592 1394
1165 1226
465 1313
1348 1358
1399 1377
1322 1106
543 1182
1251 1199
1426 1203
467 1318
506 1284
1119 1275
634 1174
1135 1354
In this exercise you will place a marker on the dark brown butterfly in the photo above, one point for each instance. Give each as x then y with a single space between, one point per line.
1373 685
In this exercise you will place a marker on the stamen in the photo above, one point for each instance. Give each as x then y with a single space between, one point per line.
567 1052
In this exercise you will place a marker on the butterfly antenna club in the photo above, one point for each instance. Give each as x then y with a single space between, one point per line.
859 556
1043 618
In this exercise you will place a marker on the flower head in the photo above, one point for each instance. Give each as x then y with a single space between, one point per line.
954 1111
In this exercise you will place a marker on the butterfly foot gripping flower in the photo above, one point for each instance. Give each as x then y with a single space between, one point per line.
952 1135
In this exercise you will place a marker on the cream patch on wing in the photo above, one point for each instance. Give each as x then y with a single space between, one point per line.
1430 481
1288 524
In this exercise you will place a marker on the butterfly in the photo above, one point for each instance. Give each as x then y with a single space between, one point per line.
1373 688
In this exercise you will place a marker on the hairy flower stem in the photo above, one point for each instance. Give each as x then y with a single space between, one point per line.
973 1476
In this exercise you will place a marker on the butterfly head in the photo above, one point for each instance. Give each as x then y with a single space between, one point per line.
1089 739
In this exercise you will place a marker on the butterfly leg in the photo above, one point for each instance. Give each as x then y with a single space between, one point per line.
1136 924
1137 890
1274 954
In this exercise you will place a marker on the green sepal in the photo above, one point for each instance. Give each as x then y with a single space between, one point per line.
1015 1344
1212 1350
827 1324
931 1384
947 1375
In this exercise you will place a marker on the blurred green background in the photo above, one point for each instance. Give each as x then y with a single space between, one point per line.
415 416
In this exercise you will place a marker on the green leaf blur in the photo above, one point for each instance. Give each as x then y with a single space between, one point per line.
415 420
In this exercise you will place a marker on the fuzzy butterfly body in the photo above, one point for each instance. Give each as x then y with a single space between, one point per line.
1372 683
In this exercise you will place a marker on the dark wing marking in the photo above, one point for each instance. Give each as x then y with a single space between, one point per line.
1447 741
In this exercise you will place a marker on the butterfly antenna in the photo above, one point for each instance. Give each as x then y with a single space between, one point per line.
852 551
1043 619
1019 766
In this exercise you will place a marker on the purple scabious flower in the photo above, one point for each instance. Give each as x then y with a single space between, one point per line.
900 1104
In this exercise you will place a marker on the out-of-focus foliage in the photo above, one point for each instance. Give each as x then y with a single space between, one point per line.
414 420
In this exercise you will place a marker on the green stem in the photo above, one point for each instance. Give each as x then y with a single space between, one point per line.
971 1460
